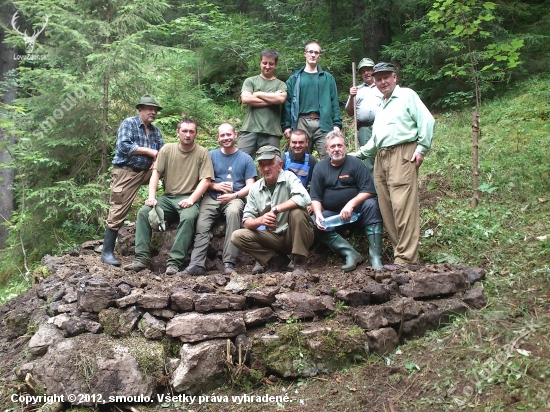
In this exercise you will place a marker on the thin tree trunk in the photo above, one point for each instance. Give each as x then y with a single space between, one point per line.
7 63
475 170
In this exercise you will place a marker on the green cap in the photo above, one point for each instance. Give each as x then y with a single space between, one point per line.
147 100
156 219
267 153
384 67
366 62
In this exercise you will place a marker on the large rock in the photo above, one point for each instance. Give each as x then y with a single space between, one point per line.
99 365
382 341
46 336
151 327
95 295
202 367
118 322
353 297
259 316
210 302
182 300
475 298
262 297
370 318
435 314
302 305
154 300
195 327
436 284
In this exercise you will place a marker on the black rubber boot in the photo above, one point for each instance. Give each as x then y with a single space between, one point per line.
374 235
341 246
107 255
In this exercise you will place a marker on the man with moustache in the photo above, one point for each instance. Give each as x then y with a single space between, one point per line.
234 173
312 102
275 218
263 94
187 171
367 100
403 130
137 146
342 185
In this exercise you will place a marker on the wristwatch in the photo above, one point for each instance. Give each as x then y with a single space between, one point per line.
275 210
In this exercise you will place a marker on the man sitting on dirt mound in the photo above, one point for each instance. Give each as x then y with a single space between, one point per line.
187 171
275 218
342 185
235 173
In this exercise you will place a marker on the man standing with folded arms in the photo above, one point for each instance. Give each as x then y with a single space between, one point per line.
263 94
312 102
401 137
137 146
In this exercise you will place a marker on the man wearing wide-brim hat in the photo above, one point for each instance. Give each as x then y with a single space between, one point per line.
275 218
401 136
137 145
367 100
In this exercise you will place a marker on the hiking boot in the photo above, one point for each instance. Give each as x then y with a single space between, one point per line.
229 268
194 270
136 266
257 269
290 265
171 270
299 267
279 262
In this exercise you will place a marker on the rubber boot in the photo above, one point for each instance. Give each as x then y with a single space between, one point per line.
340 246
107 254
374 235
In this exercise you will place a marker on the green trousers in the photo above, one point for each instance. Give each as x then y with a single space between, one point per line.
172 212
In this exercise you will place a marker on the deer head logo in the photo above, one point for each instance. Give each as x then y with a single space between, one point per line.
29 40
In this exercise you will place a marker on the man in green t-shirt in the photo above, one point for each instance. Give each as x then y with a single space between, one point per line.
264 95
187 171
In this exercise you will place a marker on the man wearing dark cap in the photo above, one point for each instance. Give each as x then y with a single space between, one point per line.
367 100
403 129
137 146
275 218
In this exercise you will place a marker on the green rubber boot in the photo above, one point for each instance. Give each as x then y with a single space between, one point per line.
340 246
374 235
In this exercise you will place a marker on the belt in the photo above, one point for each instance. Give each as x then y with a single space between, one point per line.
310 116
129 168
364 124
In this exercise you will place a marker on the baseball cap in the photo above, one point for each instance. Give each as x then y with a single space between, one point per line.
384 67
366 62
267 153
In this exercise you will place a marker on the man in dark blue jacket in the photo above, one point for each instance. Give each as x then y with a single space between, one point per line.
312 102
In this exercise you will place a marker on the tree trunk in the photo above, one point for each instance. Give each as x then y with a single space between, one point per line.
376 33
7 63
475 170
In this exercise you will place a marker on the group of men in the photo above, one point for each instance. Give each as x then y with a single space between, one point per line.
286 209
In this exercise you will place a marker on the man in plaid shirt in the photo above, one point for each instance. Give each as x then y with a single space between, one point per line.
137 146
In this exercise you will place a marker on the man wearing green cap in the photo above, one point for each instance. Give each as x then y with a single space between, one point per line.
367 100
275 218
403 129
137 146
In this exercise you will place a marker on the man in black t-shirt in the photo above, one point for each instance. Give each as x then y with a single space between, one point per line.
342 185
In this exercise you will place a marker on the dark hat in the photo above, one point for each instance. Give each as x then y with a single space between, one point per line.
147 100
366 62
384 67
267 153
156 219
